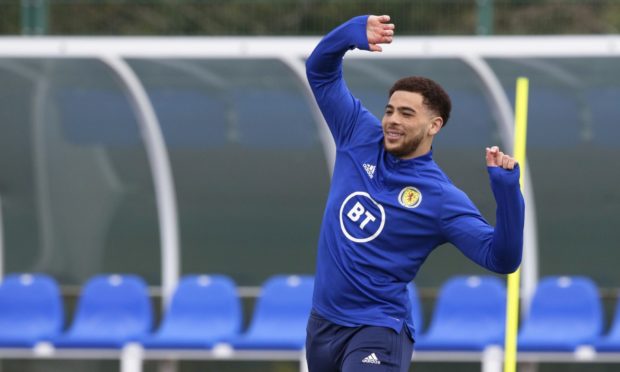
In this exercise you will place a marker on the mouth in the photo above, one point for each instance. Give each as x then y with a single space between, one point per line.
393 135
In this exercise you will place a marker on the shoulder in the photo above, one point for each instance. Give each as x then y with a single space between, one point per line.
437 177
448 192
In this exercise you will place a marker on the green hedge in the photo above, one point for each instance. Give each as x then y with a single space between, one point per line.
314 17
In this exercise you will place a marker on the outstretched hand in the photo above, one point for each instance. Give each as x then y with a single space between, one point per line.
496 158
379 31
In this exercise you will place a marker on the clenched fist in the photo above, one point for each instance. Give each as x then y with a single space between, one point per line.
496 158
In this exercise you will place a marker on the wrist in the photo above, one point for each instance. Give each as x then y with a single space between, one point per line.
504 176
360 37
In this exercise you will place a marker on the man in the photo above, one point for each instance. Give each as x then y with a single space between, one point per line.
389 206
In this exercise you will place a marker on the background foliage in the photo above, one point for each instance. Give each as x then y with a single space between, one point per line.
311 17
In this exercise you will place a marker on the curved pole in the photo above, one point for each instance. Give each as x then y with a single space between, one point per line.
159 162
44 226
329 147
504 115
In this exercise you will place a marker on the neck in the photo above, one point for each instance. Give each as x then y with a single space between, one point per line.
421 150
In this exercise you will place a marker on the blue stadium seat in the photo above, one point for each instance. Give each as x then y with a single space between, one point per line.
611 341
469 315
112 310
416 308
565 313
204 310
281 315
30 310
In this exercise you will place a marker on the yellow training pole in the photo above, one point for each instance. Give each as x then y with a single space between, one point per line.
512 301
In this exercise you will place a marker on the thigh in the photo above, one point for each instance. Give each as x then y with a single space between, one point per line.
378 349
322 344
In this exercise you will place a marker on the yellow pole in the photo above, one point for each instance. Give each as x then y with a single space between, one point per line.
512 302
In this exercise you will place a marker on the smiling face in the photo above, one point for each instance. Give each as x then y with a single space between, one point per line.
409 126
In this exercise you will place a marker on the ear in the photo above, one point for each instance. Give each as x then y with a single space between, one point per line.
436 124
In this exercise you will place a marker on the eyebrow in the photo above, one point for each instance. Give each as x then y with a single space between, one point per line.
400 108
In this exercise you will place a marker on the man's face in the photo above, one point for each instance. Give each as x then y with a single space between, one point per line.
408 127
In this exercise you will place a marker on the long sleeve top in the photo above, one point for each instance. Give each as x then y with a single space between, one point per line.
385 215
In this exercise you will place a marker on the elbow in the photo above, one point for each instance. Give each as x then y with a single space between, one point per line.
508 269
312 66
312 74
508 266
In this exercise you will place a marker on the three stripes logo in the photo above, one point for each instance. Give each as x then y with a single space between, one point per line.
370 169
371 359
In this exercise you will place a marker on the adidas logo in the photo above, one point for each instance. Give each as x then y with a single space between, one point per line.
370 169
371 359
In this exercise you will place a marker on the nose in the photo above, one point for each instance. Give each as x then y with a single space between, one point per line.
392 120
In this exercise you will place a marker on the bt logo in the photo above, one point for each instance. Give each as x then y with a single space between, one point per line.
361 218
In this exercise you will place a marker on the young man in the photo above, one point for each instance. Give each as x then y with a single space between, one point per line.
389 206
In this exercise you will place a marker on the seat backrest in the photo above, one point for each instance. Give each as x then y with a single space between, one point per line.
205 305
614 332
283 307
113 305
416 307
568 305
30 306
471 305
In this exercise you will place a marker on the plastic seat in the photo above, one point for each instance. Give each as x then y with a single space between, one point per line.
611 341
281 315
204 310
112 310
566 312
416 308
469 315
30 310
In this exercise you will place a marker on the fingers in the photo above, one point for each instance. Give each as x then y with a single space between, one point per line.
508 162
383 18
490 157
385 28
496 158
379 31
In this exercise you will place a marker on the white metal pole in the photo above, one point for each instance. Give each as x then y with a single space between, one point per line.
162 174
505 117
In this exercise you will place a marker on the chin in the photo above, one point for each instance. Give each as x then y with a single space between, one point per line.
396 151
399 151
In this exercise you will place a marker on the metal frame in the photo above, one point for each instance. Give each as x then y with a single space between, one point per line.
504 115
161 170
292 51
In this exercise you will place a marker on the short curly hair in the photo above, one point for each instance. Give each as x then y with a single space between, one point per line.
435 97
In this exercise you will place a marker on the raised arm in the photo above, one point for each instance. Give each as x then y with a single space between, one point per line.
498 249
324 69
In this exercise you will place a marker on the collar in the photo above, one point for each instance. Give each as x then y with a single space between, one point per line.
413 162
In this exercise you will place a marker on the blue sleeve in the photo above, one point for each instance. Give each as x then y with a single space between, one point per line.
498 249
340 109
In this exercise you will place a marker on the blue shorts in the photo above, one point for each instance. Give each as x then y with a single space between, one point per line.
334 348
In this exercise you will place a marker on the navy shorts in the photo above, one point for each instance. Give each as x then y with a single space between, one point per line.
334 348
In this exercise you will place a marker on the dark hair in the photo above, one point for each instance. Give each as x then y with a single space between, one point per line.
435 98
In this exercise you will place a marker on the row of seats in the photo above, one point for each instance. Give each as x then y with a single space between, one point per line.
205 310
115 309
566 313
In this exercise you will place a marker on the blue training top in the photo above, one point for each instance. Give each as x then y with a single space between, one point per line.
385 215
